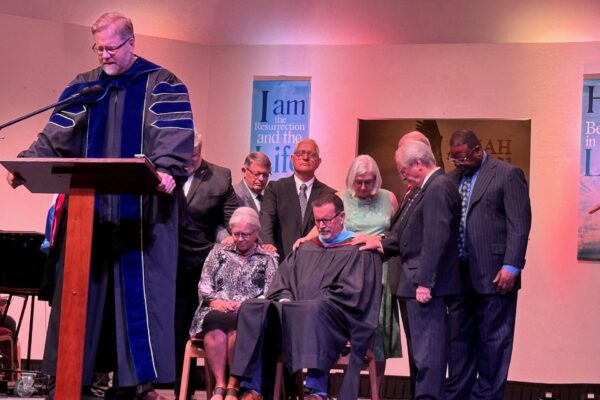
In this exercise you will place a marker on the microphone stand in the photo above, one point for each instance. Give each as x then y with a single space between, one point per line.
68 100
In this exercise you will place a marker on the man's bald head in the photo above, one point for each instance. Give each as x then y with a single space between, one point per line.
413 136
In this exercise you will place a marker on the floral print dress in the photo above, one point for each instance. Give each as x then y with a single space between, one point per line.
227 275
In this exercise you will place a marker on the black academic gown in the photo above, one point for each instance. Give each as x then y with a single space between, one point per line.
335 295
131 302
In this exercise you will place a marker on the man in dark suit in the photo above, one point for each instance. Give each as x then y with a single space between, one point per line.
286 214
394 263
250 190
209 203
495 223
425 237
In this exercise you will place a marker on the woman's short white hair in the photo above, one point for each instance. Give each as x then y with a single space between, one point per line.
363 164
245 214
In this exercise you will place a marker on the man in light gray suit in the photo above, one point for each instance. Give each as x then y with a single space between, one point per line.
495 223
250 190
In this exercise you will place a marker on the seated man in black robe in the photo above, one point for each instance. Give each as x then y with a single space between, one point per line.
323 295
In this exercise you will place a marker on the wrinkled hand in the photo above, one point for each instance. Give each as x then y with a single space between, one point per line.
227 240
234 306
167 183
269 248
298 242
369 242
423 294
14 180
504 281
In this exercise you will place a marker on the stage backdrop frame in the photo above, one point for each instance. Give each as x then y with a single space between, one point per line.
505 139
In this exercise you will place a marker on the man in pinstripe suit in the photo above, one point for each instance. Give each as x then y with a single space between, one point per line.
496 218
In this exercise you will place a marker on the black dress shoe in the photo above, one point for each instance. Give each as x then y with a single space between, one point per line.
124 393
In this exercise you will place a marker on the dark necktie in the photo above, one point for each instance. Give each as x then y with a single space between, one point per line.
410 198
409 190
259 199
463 189
303 199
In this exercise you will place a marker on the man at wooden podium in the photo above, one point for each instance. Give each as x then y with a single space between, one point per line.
141 109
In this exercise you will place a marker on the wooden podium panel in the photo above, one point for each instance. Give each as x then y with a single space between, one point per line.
105 175
82 178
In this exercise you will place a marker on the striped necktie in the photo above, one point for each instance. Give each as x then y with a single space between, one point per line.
410 198
464 189
303 199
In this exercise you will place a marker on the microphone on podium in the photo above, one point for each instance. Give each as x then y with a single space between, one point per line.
87 91
90 90
594 209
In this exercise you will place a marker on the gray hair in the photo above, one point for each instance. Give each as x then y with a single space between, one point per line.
120 21
197 139
363 164
413 151
308 140
258 158
245 214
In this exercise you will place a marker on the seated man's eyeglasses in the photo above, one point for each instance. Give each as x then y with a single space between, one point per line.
110 50
461 160
326 221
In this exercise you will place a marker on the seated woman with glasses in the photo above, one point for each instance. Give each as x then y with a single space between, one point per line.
231 274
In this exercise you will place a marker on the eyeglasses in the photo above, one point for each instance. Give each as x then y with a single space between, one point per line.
110 50
307 154
464 159
405 168
365 182
326 221
242 235
256 175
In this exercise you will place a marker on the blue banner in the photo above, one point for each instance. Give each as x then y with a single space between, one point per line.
280 119
588 243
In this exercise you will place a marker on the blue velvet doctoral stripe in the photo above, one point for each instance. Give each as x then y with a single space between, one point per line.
167 88
96 130
134 81
132 262
168 107
184 123
74 109
62 121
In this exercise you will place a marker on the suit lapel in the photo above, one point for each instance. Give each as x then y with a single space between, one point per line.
485 176
247 196
417 199
199 176
292 195
403 205
314 193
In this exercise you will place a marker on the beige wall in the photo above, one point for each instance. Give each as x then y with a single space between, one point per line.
557 322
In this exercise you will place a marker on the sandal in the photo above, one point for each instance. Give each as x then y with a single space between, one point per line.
231 394
218 391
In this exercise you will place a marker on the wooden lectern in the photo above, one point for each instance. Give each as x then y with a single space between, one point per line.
82 178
